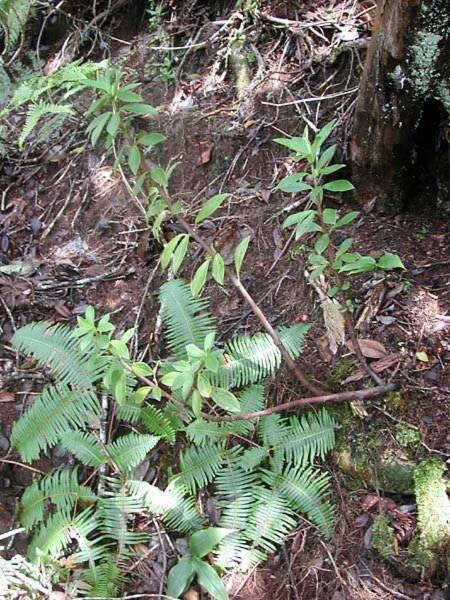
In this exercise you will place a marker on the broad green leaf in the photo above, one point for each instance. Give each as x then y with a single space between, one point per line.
322 243
209 580
180 577
169 249
199 278
194 351
151 139
141 394
323 134
326 157
196 403
317 259
120 348
332 169
142 369
203 542
180 253
127 96
292 185
209 341
297 144
218 268
204 385
364 264
308 226
113 125
169 378
330 216
239 254
134 159
339 185
316 272
346 219
145 110
120 389
159 176
210 207
225 399
297 218
344 247
390 261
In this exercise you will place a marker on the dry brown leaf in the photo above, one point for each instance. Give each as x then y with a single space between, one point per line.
372 306
332 314
205 155
6 397
191 594
378 367
369 348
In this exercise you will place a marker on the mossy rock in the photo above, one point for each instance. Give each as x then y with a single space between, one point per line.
388 474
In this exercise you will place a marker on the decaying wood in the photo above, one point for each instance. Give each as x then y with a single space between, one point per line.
400 146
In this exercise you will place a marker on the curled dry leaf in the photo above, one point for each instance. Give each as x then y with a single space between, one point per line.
6 397
369 348
332 314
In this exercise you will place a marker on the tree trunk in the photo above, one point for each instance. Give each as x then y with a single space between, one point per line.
400 146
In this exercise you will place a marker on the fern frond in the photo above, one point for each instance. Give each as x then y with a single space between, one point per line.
251 359
61 488
297 441
103 579
61 529
306 491
56 412
85 447
129 450
203 432
270 520
13 17
199 466
56 347
114 512
232 481
185 318
158 423
36 112
176 510
309 437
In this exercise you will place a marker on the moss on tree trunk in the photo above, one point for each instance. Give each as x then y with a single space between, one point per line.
400 146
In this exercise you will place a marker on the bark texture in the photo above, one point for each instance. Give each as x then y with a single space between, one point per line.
400 146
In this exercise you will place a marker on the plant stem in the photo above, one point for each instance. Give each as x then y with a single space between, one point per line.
335 274
299 374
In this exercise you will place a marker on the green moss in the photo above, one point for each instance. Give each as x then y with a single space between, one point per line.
383 538
433 504
405 435
420 561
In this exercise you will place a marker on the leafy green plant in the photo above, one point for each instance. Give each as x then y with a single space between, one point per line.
91 516
323 223
13 17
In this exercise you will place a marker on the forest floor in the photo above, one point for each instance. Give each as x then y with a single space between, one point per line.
76 239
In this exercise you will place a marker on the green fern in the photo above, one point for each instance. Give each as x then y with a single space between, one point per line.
305 490
176 510
129 450
85 447
115 509
61 488
248 360
102 580
56 347
158 422
199 466
36 112
185 318
57 411
13 17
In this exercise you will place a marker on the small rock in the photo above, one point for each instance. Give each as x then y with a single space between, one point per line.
4 442
150 474
181 545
